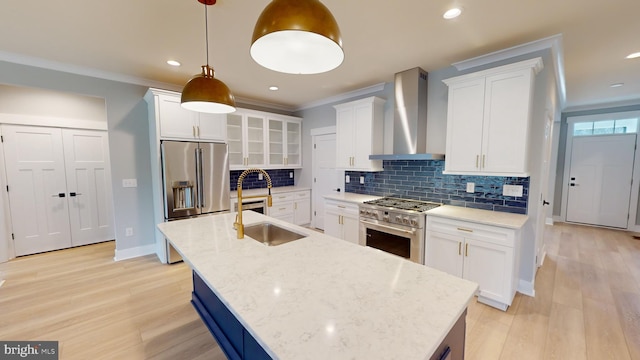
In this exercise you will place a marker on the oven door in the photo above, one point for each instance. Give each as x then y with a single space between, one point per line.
400 240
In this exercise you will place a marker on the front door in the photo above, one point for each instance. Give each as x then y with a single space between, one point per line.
37 188
600 176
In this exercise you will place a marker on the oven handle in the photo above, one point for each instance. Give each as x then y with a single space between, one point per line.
412 232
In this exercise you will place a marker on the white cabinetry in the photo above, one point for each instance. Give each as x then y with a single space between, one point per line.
341 220
293 207
487 255
359 133
246 135
284 142
264 140
488 118
174 122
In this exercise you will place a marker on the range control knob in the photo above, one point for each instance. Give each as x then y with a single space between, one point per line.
399 219
414 222
375 215
405 220
362 212
369 212
385 218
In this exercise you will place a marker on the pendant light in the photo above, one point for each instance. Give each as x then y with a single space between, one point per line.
297 37
204 93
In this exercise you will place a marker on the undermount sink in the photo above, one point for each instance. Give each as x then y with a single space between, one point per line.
271 234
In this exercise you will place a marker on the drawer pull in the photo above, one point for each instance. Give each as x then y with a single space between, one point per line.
463 229
282 209
341 206
459 248
466 249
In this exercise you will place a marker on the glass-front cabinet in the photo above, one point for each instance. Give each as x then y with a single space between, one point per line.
284 143
246 139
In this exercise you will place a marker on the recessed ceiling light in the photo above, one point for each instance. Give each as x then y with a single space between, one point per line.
273 88
173 63
452 13
634 55
616 85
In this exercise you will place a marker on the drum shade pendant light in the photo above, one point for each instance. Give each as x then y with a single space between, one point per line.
204 93
297 37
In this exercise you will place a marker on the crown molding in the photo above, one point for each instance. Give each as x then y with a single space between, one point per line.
344 96
554 43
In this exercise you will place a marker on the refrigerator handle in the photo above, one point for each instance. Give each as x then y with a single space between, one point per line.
198 185
201 179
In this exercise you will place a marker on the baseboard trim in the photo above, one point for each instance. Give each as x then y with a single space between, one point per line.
134 252
548 221
526 288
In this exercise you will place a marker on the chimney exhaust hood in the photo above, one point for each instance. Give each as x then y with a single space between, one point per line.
410 118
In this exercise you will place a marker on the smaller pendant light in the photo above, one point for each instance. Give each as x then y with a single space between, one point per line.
297 37
204 93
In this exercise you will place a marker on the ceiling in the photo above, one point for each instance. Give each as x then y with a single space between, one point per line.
131 40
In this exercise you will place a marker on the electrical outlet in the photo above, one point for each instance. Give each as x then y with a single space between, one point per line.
291 175
260 176
347 179
128 231
361 179
512 190
471 187
130 183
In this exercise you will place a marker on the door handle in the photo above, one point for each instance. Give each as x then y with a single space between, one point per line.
573 184
412 232
72 194
58 195
544 202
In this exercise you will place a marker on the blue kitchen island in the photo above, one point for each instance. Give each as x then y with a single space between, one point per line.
317 297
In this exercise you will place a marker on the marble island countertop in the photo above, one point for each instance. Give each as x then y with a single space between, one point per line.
320 297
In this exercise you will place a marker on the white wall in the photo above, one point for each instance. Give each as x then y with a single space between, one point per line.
126 117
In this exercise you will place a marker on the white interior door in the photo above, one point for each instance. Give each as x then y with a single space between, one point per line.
600 180
326 179
37 188
544 191
89 186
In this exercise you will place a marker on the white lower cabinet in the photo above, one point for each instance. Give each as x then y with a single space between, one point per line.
486 255
293 207
341 220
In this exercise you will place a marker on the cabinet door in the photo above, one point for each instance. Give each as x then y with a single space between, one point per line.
506 122
212 127
235 130
490 266
255 140
444 252
293 153
464 126
176 122
350 228
363 136
302 211
345 133
333 224
276 142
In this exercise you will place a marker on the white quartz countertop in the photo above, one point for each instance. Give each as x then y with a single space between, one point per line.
321 297
274 190
351 197
495 218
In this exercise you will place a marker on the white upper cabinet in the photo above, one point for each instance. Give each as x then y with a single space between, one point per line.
284 142
246 136
359 133
488 120
175 122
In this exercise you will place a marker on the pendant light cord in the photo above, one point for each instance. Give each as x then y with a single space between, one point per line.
206 31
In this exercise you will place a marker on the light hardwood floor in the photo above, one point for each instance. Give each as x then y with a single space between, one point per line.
587 305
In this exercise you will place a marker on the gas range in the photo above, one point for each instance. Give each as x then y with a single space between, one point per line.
390 210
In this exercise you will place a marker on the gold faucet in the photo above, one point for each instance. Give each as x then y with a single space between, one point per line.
238 224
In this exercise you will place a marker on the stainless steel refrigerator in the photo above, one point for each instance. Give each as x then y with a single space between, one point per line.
196 182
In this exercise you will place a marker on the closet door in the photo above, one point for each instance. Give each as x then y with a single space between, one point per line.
37 188
88 174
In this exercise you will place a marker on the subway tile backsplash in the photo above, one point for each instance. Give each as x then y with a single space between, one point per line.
279 177
423 180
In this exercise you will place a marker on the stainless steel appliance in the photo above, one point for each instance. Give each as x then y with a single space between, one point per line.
196 181
395 226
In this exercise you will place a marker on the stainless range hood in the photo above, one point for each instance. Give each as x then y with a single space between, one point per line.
410 118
